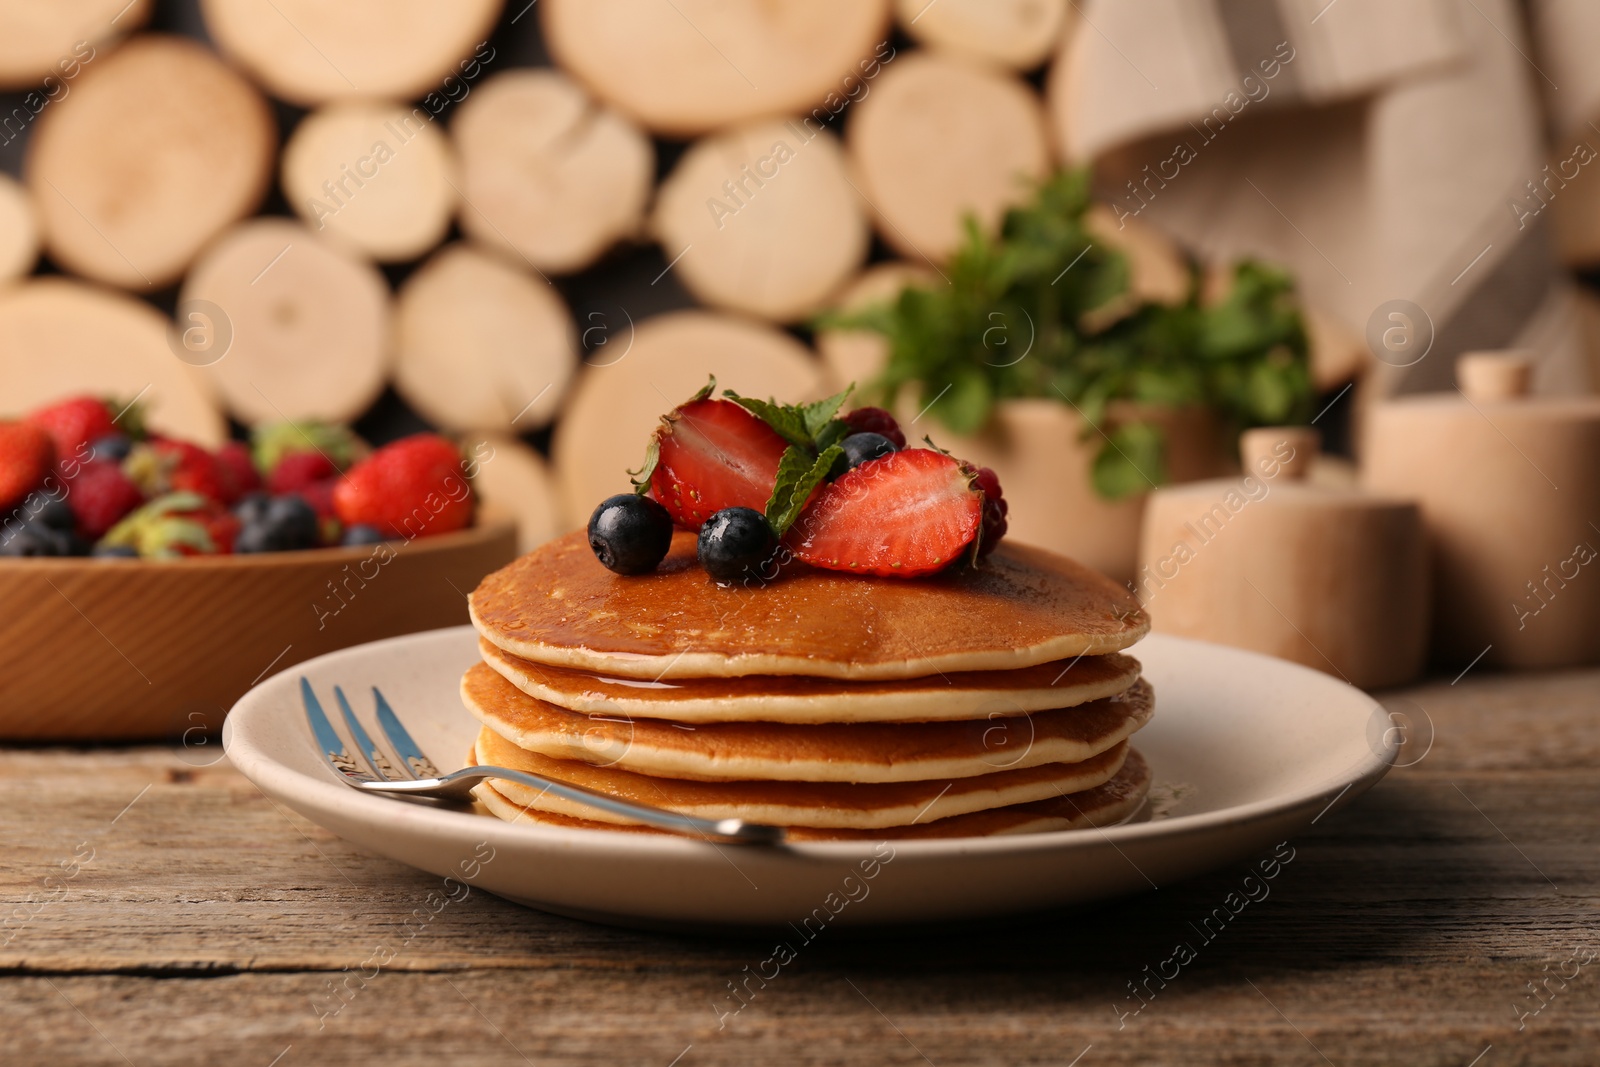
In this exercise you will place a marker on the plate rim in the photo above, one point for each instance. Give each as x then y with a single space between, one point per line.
251 760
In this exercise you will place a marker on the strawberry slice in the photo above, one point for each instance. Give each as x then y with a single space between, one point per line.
906 514
713 455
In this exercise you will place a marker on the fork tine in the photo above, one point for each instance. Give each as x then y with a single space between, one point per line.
410 753
328 739
370 752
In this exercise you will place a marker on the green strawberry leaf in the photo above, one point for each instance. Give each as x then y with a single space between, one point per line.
652 451
798 477
652 456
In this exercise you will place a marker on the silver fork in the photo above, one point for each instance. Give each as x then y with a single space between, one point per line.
418 777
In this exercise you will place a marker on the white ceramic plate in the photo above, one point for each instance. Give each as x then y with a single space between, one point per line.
1247 751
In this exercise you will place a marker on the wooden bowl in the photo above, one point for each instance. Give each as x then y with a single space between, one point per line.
102 650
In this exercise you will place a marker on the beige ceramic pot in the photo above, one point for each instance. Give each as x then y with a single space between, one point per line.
1039 449
1510 489
1336 579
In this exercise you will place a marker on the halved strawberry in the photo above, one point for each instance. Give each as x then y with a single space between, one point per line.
713 455
905 514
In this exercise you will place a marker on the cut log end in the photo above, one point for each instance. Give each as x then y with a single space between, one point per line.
1020 34
62 338
160 147
694 66
378 178
765 220
19 230
302 327
481 345
547 173
311 52
940 139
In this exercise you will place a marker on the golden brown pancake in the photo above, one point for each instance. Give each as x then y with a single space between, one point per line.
1104 805
862 806
785 698
829 752
1024 606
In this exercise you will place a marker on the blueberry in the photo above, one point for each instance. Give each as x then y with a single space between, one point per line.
31 539
630 534
860 447
282 524
252 508
56 514
69 543
113 446
361 534
737 543
105 551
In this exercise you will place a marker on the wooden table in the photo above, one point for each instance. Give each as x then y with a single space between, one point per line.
180 916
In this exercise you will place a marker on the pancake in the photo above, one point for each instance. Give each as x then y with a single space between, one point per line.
863 806
780 698
830 752
1024 606
1105 805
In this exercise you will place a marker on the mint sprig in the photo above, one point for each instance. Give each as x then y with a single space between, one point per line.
1044 309
811 426
799 474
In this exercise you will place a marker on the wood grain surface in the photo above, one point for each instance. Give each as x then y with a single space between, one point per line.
212 926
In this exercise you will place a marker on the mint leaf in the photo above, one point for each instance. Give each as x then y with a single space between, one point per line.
798 477
817 415
786 419
799 424
835 431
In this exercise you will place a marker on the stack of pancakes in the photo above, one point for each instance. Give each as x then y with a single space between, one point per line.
983 701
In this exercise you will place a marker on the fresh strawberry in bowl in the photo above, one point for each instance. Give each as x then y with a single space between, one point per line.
414 487
27 457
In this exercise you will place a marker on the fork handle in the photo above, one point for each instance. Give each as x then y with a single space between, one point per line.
459 783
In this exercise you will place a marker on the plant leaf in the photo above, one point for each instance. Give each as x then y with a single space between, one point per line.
1132 459
798 477
818 414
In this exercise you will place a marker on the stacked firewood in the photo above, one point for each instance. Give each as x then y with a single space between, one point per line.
431 202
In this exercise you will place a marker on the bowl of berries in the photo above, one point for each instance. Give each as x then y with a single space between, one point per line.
150 581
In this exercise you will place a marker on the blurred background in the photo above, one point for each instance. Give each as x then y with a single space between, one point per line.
1317 273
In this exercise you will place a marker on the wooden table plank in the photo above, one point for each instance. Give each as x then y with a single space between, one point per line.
211 925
